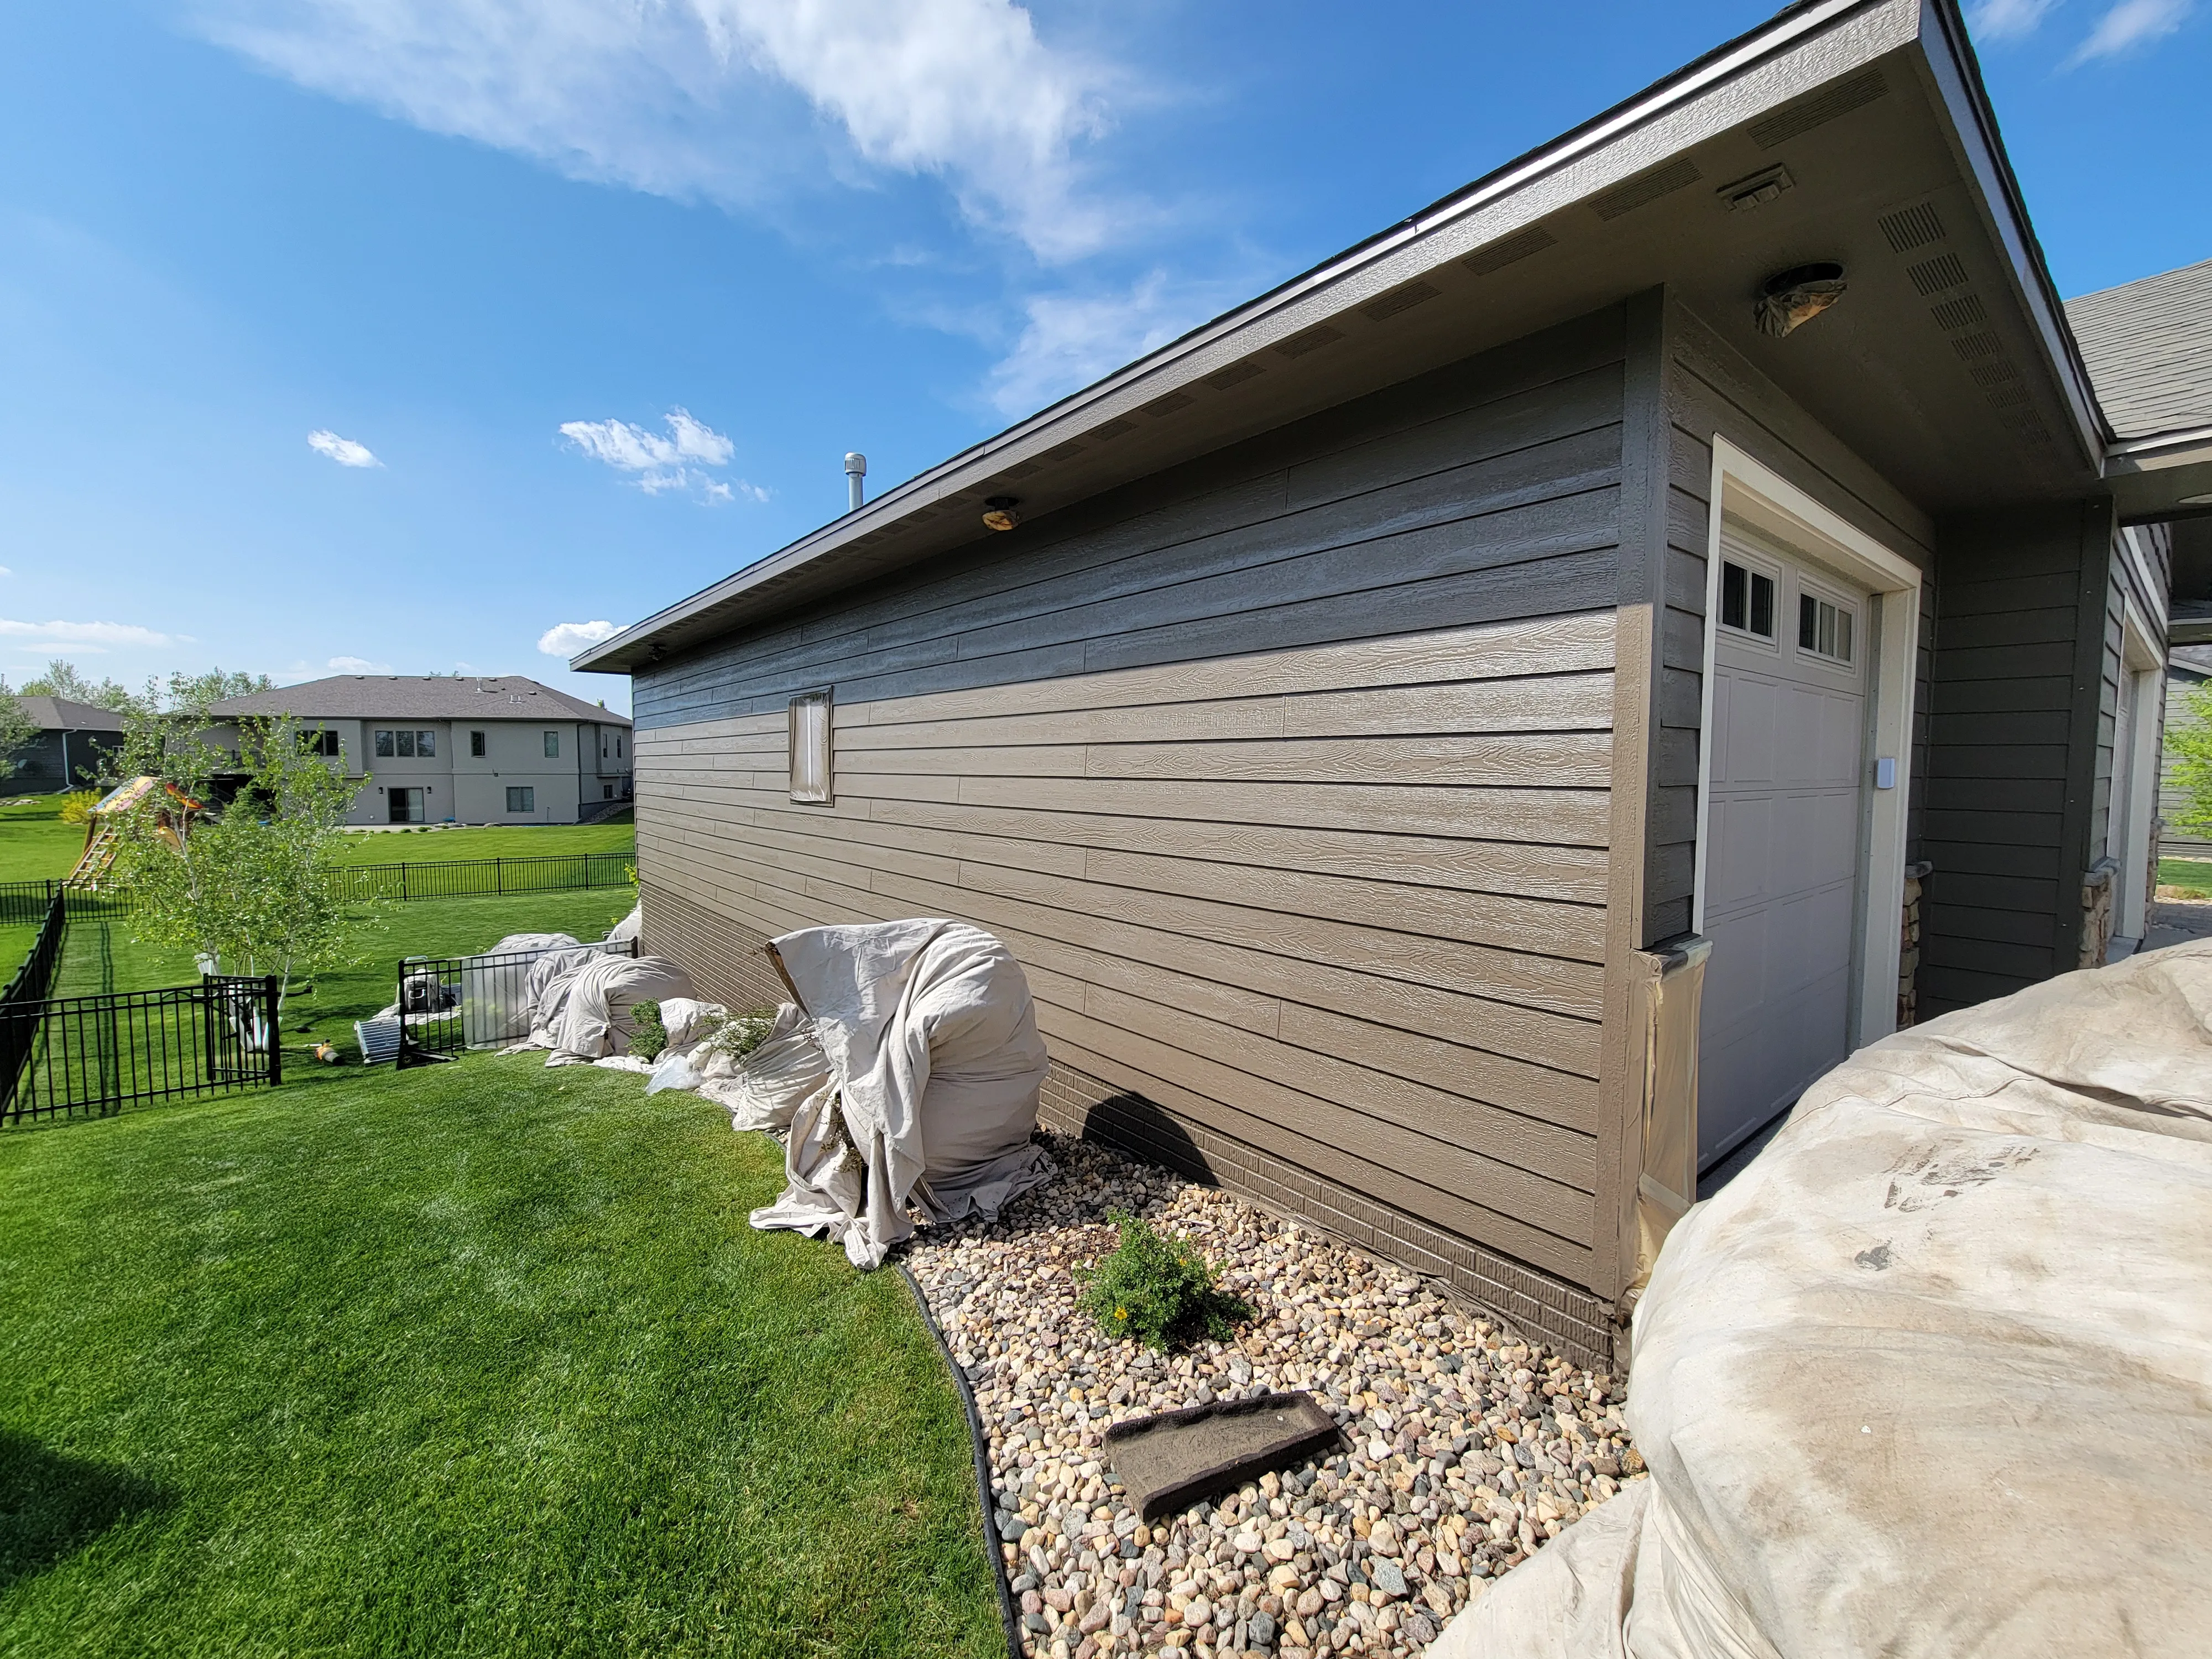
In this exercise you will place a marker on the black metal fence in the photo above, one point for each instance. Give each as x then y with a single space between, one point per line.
449 1004
557 873
92 1056
25 902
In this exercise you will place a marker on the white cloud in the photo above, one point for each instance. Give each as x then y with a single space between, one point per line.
567 639
2009 20
2130 24
358 665
1070 340
4 571
344 451
93 636
686 98
675 462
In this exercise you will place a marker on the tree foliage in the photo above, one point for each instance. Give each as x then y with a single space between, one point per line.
2189 740
64 679
15 731
247 879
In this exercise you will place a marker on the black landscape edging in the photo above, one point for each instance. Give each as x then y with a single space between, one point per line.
1007 1613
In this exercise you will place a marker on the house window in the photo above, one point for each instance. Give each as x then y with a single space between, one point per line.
552 745
476 745
384 750
426 744
809 747
521 799
1824 628
603 746
324 742
606 791
406 745
618 748
1747 599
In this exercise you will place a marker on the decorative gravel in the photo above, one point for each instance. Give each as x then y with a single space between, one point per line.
1468 1447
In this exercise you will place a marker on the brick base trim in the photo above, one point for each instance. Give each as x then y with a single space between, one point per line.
725 961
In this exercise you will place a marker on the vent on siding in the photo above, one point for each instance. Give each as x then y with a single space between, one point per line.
1168 404
1640 192
1934 275
1235 374
1061 451
1310 339
1962 313
1854 92
1910 228
1519 246
1114 428
1404 299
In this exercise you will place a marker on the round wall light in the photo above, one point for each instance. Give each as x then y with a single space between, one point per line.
1792 298
999 512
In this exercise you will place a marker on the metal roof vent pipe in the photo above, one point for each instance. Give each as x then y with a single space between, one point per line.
856 474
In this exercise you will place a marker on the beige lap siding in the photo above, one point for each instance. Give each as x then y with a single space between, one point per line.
1342 903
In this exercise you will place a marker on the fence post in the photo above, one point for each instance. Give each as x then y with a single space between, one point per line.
404 893
269 1003
499 874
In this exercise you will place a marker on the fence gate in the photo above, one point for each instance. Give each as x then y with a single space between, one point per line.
93 1055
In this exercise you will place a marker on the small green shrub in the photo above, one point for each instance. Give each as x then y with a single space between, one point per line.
737 1035
1158 1291
77 805
648 1037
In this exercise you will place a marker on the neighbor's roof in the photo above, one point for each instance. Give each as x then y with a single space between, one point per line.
2148 346
64 714
418 697
1816 62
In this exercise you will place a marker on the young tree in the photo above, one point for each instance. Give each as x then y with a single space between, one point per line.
236 857
15 731
2189 740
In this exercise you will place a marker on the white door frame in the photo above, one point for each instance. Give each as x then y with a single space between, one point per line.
2142 684
1745 490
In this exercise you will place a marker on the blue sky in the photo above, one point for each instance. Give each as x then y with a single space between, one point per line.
395 334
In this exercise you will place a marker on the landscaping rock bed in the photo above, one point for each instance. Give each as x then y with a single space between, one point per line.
1466 1449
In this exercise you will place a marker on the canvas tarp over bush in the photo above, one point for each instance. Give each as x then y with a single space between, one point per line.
1933 1375
933 1051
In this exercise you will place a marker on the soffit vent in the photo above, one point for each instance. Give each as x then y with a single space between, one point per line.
1311 339
1978 344
1912 228
1404 299
1934 275
1114 428
1854 92
1961 313
1168 404
1994 372
1519 246
1061 451
1640 192
1235 374
1023 470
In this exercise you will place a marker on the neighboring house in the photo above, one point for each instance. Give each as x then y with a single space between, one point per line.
439 750
68 750
1386 684
2186 667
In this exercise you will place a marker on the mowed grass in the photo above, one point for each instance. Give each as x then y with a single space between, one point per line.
2193 877
480 1359
499 841
35 845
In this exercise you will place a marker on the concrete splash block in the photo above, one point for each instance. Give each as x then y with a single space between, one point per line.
1171 1461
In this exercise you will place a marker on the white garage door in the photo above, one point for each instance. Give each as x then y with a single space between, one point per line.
1783 855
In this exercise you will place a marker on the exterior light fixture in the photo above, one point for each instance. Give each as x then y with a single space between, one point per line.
999 512
1789 301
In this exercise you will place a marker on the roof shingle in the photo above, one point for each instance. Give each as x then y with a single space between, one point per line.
2149 348
419 696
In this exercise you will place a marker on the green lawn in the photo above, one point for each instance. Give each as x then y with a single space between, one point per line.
476 1359
2193 876
35 845
510 841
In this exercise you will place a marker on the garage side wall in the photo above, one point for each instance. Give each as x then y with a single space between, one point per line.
1286 775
